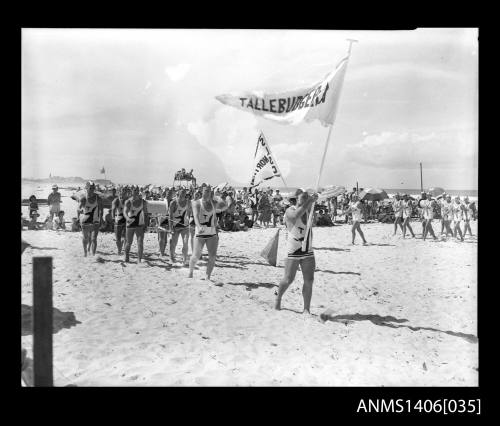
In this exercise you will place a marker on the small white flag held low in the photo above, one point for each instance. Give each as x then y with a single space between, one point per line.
315 102
265 165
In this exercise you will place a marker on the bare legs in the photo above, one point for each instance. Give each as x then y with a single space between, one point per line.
93 237
129 239
428 228
446 224
140 242
212 244
467 227
357 227
307 265
397 221
184 234
457 229
162 241
119 233
406 224
86 238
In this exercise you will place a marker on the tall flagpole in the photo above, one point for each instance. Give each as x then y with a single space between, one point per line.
311 213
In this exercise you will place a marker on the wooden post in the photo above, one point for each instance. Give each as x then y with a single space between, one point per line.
42 321
357 188
421 181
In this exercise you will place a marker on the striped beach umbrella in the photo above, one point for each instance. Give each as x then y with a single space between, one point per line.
373 194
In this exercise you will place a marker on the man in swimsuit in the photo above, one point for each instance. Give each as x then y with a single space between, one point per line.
397 206
355 208
468 215
457 211
90 213
54 202
407 210
427 206
179 213
117 206
296 223
136 215
446 215
163 227
204 214
192 224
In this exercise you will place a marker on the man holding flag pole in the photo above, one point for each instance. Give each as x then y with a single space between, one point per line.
316 102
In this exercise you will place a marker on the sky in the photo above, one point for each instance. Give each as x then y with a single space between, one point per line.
142 104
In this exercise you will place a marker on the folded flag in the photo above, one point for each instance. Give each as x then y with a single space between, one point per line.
270 251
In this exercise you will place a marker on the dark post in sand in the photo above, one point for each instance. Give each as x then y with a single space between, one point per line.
42 321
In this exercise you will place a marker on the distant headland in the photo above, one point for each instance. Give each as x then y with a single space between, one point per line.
62 179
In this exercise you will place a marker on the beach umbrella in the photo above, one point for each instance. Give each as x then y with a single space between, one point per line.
436 191
331 191
373 194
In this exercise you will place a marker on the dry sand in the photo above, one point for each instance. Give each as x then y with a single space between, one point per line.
402 313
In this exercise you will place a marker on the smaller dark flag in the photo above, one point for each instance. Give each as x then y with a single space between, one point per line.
270 251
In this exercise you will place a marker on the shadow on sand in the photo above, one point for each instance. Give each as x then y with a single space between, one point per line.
338 272
43 248
251 286
60 320
330 249
386 321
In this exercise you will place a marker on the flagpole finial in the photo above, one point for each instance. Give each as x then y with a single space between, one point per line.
351 41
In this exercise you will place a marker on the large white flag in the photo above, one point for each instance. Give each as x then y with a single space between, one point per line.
316 102
265 166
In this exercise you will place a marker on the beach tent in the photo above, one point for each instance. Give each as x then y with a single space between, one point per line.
373 194
331 191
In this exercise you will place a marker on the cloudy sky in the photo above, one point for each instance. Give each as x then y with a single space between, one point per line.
142 104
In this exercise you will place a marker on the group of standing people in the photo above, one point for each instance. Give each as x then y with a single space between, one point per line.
454 213
190 218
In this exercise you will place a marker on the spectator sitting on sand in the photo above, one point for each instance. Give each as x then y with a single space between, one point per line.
33 224
59 221
323 219
47 224
75 225
33 208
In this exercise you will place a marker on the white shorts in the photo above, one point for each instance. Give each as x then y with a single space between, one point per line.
55 208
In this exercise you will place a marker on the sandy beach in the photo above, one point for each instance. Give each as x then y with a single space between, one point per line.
399 312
